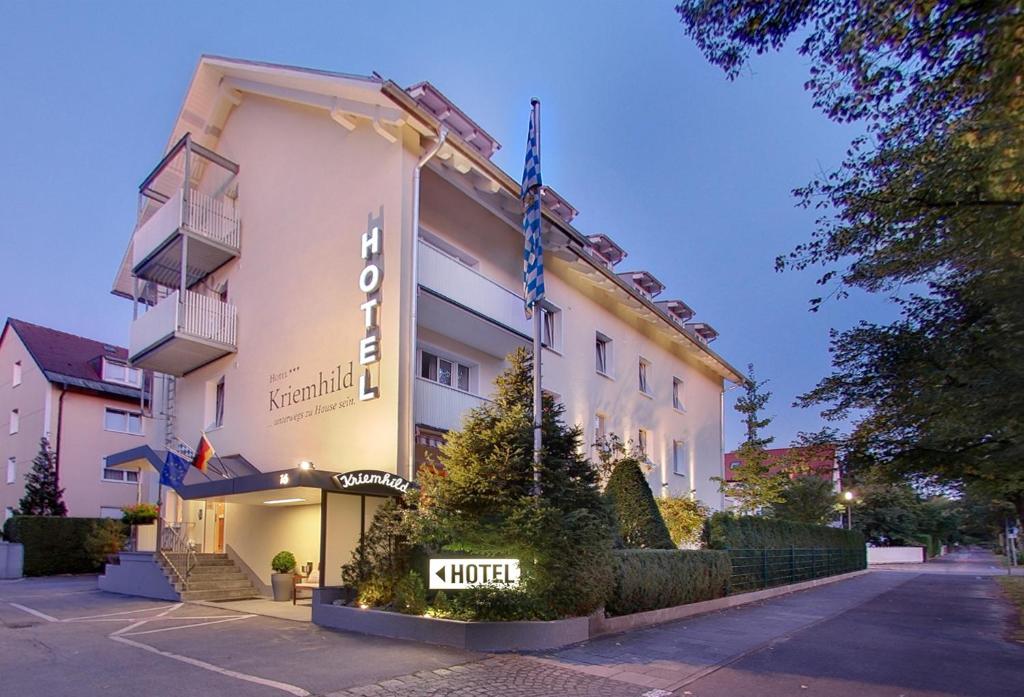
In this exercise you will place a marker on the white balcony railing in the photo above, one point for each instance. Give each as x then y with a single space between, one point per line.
441 406
199 317
205 216
456 281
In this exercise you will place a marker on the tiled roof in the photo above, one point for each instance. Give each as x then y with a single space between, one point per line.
67 358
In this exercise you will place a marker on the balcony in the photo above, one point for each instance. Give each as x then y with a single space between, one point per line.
467 306
211 226
441 407
176 338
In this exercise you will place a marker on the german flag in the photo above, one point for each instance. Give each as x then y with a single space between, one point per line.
204 451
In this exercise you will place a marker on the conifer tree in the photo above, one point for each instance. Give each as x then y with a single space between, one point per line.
639 520
42 495
754 486
480 502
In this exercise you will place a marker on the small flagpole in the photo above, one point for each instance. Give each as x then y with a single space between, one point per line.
537 394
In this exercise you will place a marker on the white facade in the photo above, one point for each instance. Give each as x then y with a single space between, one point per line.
342 309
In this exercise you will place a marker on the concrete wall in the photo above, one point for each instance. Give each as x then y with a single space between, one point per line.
137 574
257 533
896 555
343 532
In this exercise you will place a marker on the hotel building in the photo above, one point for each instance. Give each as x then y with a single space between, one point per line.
327 269
83 398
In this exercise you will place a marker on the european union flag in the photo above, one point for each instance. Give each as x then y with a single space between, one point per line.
174 470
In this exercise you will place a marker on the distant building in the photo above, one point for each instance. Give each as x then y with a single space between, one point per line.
818 460
82 396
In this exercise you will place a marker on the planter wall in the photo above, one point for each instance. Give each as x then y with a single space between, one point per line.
474 636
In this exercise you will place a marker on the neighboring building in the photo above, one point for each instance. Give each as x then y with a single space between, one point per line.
327 268
82 396
818 460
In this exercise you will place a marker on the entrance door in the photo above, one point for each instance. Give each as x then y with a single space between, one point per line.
218 510
213 527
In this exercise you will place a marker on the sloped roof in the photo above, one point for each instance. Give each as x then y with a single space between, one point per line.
69 359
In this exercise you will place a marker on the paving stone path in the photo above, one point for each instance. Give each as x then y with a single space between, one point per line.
507 675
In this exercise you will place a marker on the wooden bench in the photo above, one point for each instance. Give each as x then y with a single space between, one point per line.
312 581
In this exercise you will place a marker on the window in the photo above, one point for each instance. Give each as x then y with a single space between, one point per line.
12 470
8 513
444 371
677 394
222 292
121 421
603 354
551 327
127 476
14 421
114 371
16 374
644 385
110 512
600 427
641 442
679 457
218 404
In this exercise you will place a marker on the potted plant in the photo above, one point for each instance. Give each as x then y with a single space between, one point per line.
140 514
283 566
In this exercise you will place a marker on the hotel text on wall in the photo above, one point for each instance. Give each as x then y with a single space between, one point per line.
369 345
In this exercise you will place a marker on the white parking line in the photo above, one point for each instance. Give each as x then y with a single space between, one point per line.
285 687
30 611
112 614
189 626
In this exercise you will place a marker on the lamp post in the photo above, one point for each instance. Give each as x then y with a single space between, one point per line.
848 496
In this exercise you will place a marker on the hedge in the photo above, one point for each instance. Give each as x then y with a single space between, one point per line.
651 579
54 545
727 531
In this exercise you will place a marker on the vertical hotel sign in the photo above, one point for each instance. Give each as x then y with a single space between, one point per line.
369 345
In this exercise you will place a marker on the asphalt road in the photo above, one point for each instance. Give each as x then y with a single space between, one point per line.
885 633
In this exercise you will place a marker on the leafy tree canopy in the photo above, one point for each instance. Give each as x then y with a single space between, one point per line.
927 204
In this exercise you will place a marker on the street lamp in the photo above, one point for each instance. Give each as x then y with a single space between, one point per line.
848 496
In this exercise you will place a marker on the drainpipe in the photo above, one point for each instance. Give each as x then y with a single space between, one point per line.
442 136
721 451
60 418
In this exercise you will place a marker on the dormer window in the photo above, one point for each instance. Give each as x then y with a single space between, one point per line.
679 311
704 331
115 371
644 282
604 248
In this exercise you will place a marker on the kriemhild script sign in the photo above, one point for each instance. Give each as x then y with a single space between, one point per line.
457 574
373 482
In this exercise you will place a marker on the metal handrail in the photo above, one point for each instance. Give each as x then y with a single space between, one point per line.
173 541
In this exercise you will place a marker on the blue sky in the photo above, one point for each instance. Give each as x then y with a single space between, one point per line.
689 172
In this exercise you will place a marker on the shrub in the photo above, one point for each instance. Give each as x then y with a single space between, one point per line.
651 579
376 591
283 563
411 594
494 603
107 538
727 531
684 517
382 558
639 521
56 545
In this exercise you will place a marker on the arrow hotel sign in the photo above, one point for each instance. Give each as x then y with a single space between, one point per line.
457 574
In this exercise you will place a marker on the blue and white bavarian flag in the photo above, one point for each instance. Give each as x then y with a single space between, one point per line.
533 252
174 470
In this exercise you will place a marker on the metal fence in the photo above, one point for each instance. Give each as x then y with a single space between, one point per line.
753 569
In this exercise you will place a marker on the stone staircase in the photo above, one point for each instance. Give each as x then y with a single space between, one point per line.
213 577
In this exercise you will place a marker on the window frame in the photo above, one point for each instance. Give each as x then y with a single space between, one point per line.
219 399
679 447
128 413
11 475
551 325
643 443
14 423
16 373
678 390
109 363
457 364
118 476
643 384
603 343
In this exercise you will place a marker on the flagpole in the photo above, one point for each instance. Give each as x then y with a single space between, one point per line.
537 394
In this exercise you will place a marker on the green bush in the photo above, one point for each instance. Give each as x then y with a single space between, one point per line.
639 521
651 579
58 545
493 603
684 517
727 531
106 539
411 594
283 563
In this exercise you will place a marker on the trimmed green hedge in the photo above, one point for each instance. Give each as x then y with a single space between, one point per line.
651 579
55 545
726 531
